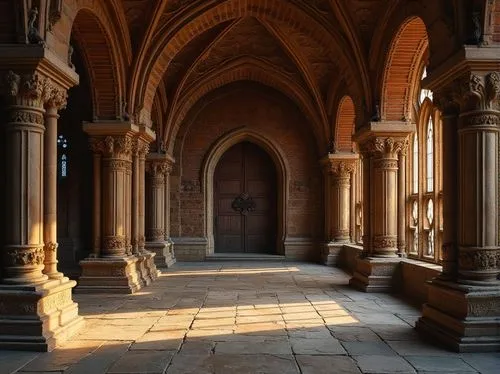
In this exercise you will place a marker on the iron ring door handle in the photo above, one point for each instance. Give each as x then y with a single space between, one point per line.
243 204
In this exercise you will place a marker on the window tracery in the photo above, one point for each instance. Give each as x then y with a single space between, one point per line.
424 208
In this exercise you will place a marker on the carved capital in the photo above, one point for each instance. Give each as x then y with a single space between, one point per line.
478 91
385 146
116 146
341 169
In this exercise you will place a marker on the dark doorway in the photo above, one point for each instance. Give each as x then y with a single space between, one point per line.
245 201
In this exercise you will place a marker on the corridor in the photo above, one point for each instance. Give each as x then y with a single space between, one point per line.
274 317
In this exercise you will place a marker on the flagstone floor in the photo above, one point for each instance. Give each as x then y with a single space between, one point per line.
248 318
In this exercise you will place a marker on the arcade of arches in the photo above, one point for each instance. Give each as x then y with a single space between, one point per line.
362 134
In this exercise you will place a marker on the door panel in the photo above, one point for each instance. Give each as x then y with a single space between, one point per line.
247 172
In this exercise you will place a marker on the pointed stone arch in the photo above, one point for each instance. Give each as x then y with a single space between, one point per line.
344 124
282 171
402 69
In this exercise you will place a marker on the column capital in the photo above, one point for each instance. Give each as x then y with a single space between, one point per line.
159 163
34 60
387 137
340 164
112 138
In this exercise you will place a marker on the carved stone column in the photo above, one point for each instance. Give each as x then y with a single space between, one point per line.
401 243
115 268
381 144
56 101
170 259
36 309
158 167
449 252
146 264
339 168
463 308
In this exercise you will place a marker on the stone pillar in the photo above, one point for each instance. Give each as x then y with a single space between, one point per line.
401 243
464 313
36 309
381 144
50 184
115 268
146 264
339 169
158 167
171 258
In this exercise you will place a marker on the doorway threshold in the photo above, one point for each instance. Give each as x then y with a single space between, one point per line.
243 257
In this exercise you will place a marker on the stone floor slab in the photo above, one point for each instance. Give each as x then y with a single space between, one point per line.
252 364
368 348
11 361
440 364
307 346
150 362
327 365
383 364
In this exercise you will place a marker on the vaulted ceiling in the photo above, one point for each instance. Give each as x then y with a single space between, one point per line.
311 50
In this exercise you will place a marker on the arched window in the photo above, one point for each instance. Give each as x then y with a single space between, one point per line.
424 208
62 149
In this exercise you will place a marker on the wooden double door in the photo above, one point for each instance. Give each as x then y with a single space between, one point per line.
245 201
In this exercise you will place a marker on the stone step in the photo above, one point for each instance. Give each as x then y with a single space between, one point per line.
244 257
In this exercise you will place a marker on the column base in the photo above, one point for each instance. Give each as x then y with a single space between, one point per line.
109 275
149 264
142 271
37 318
330 253
464 318
165 256
374 274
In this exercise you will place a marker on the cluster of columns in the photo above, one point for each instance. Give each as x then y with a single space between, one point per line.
158 168
338 169
120 261
36 306
463 306
383 147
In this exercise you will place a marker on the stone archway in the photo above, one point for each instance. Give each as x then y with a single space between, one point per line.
282 176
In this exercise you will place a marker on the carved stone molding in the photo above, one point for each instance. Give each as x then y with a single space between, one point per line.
19 256
114 242
51 246
380 242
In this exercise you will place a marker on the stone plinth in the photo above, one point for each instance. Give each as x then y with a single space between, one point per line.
109 275
164 251
38 317
330 253
465 318
374 274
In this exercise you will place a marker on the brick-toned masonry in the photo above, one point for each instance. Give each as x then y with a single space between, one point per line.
274 119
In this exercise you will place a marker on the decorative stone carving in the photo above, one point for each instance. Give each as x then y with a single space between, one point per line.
33 34
341 169
478 92
55 13
18 256
51 246
116 146
384 242
114 242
